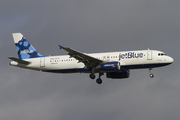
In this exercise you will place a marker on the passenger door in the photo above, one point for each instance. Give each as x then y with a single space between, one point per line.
42 62
149 55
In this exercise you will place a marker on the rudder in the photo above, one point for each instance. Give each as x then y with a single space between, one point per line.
24 49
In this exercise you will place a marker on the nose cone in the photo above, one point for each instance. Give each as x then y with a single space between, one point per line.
171 60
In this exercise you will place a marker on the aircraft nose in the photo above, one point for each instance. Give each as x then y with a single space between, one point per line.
171 60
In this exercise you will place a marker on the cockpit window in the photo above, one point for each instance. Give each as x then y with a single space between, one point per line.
161 54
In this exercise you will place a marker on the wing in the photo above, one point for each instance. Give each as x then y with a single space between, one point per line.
88 61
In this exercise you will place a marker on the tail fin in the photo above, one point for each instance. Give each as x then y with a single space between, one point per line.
24 49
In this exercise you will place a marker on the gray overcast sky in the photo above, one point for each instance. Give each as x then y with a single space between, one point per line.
90 26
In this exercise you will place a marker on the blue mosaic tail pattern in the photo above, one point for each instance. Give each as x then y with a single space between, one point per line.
24 49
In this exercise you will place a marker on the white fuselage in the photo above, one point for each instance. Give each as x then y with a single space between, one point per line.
128 60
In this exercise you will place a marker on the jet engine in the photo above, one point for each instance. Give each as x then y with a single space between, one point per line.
109 66
118 75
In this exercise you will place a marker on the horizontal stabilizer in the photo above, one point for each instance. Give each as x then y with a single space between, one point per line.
19 60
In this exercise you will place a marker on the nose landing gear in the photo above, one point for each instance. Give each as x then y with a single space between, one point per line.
151 75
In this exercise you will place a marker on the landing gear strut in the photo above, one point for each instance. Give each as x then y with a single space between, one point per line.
99 81
151 75
92 75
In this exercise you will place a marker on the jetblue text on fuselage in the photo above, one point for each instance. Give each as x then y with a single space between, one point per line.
129 55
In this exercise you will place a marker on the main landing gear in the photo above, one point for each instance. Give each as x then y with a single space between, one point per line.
92 76
151 75
99 81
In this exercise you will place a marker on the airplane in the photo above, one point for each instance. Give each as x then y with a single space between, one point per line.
116 65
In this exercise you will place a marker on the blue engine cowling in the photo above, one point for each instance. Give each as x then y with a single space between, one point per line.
118 75
109 66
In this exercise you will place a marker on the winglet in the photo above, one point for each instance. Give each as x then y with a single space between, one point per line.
60 47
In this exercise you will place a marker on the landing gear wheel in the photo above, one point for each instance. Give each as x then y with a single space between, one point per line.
99 81
92 76
151 75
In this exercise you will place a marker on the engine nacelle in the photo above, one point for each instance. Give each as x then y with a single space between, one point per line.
118 75
109 66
